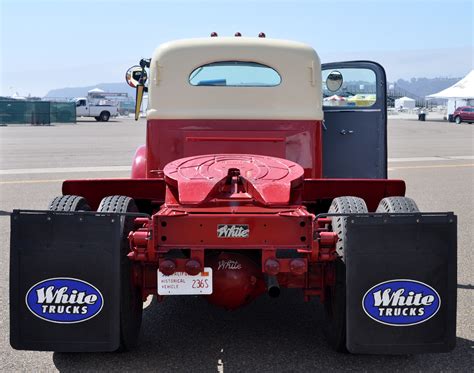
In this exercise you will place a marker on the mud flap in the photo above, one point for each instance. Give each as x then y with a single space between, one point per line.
401 283
65 281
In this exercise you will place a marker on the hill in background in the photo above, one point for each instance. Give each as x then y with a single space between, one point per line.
415 87
72 92
421 87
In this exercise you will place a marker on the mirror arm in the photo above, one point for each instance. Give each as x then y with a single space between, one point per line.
145 62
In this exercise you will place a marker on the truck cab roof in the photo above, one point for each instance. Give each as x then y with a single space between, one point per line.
241 78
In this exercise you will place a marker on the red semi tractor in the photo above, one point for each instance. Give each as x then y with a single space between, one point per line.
262 169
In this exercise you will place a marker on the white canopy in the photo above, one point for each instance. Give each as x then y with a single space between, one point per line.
405 98
96 90
405 103
16 96
464 89
334 98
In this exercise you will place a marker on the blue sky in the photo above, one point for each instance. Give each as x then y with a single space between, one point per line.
55 44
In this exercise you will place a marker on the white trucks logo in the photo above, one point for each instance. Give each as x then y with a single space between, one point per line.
401 302
64 300
233 231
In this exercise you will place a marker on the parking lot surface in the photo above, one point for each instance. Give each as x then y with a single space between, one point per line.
185 334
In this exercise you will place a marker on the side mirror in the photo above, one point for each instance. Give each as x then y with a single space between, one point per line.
136 77
334 81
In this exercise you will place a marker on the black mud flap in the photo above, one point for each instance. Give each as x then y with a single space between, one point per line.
64 281
401 283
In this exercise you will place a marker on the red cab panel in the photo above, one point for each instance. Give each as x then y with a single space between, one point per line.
296 140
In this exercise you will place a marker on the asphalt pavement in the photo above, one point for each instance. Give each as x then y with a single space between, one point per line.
185 334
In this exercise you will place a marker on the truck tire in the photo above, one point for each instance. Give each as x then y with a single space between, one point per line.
69 203
344 205
131 304
104 116
97 119
335 296
397 204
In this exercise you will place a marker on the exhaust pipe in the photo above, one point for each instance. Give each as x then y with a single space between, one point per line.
273 288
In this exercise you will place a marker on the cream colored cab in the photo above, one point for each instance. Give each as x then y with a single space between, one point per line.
234 78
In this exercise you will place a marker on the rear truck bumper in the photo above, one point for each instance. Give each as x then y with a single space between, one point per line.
400 271
281 242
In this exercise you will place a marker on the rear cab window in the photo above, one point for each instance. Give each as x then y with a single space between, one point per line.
235 74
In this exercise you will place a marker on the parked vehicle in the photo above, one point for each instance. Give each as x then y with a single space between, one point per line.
240 190
464 114
101 113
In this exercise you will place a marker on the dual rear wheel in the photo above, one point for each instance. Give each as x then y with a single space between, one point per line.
131 305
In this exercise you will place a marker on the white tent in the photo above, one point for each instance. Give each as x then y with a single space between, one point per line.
16 96
96 90
459 94
464 89
334 100
405 103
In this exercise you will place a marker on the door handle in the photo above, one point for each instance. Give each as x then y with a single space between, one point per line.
346 132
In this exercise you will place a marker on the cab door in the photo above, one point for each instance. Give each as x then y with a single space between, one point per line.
81 108
355 120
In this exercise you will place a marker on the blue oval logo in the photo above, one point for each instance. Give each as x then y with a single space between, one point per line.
64 300
401 302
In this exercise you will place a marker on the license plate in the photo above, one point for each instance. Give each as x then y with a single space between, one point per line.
180 283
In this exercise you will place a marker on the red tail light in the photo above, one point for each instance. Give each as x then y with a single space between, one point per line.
272 267
193 267
167 267
298 266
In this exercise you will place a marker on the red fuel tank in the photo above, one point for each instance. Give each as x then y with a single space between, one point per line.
237 280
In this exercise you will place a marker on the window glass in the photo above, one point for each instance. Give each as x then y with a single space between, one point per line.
235 74
358 88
